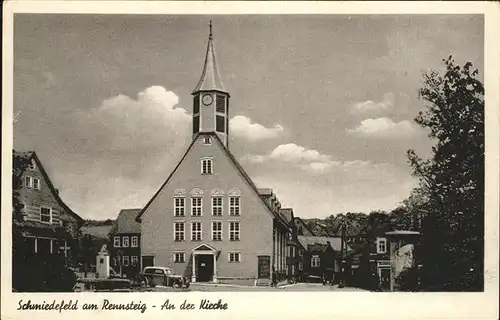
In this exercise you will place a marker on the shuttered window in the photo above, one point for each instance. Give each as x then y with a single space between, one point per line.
196 124
220 124
196 105
220 104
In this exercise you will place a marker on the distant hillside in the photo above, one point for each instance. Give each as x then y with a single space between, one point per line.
107 222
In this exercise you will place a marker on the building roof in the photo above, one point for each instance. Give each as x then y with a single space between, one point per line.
33 156
287 214
126 223
210 78
38 229
265 191
300 223
335 242
236 164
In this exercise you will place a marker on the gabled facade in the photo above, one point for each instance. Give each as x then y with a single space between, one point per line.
320 257
125 243
377 246
208 220
48 225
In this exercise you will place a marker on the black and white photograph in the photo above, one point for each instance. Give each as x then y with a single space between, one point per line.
215 152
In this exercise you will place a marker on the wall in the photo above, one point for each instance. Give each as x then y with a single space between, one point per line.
33 199
256 222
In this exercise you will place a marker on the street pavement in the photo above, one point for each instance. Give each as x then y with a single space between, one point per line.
297 287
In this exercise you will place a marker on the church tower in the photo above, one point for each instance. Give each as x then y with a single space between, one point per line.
210 98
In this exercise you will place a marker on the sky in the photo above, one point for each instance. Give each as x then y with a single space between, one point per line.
321 109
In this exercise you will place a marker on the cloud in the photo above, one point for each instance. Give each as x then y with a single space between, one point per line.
369 106
242 127
121 152
308 160
354 186
293 153
151 120
384 128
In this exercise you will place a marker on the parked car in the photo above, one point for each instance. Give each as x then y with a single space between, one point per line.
162 276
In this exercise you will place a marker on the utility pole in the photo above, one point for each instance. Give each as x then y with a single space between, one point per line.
342 262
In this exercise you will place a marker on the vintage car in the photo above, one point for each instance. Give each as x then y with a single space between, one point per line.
161 276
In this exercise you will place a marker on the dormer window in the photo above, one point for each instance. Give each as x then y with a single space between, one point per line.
206 166
207 140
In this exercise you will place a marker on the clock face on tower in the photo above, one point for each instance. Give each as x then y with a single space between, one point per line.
207 99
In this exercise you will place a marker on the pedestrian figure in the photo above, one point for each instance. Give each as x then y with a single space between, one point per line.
273 278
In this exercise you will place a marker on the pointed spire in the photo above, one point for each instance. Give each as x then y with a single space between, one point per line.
210 77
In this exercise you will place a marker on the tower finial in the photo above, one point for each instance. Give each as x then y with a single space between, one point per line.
210 26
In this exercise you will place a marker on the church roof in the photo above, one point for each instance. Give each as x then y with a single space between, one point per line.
210 77
333 242
236 164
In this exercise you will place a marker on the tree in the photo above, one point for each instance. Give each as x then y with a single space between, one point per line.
452 179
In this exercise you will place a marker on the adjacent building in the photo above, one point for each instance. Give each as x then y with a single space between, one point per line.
47 224
319 257
125 240
208 220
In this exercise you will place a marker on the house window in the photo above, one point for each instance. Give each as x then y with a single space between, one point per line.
116 242
315 261
217 206
234 206
28 182
36 183
135 241
216 230
301 266
206 166
125 261
207 140
234 231
179 231
196 206
179 257
125 242
220 123
220 103
195 231
234 257
300 253
133 260
116 261
46 215
179 207
381 245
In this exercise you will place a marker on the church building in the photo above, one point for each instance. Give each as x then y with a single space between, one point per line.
208 220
